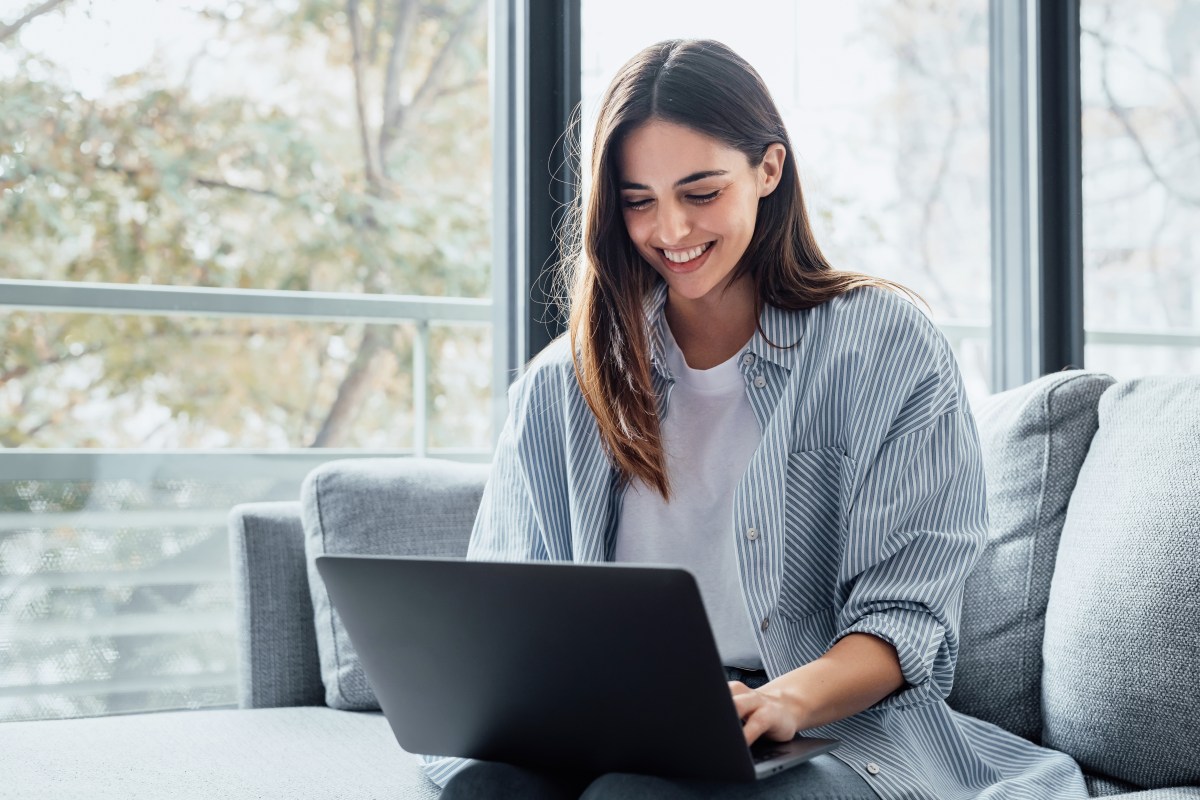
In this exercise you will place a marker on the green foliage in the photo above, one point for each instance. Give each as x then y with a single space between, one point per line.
239 165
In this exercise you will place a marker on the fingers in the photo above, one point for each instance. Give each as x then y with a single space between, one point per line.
737 687
761 715
754 727
746 703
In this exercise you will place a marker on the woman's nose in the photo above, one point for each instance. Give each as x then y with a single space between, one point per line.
673 224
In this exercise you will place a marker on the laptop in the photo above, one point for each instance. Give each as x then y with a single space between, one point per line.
549 665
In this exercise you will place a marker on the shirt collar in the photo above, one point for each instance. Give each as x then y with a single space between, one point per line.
777 341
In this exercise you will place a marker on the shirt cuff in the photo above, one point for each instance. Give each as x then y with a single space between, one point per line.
917 637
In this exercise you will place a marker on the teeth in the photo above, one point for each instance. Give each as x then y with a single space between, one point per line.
682 256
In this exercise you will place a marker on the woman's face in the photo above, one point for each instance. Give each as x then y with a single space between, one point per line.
690 203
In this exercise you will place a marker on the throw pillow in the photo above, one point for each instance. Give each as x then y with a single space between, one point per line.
394 506
1034 439
1121 685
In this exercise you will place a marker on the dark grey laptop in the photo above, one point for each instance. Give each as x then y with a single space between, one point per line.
554 666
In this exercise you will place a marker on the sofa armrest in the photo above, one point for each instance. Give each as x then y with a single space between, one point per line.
277 646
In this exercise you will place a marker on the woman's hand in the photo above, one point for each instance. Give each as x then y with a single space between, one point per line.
766 711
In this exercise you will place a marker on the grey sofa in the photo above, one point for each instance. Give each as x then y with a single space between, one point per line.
1080 622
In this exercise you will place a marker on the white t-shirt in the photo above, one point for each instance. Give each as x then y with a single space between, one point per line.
709 434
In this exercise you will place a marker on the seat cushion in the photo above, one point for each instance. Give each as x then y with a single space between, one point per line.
1034 439
393 506
296 753
1122 651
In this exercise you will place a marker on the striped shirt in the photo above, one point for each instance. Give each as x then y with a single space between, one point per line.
867 498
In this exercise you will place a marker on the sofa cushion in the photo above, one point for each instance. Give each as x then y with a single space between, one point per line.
1034 439
296 753
393 506
1122 649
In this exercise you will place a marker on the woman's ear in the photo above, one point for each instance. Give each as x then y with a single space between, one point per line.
771 168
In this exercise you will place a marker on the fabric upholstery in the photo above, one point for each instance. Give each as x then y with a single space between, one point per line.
293 753
1122 646
1099 786
277 646
379 507
1034 439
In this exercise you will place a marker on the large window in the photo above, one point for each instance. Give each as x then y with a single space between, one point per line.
1140 75
238 238
886 104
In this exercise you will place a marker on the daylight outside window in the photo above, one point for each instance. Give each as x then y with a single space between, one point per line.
886 104
1140 76
239 238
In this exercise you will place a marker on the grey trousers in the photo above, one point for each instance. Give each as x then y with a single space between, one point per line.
823 778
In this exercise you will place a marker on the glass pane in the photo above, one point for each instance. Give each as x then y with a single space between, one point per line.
116 595
219 143
165 383
1140 79
886 104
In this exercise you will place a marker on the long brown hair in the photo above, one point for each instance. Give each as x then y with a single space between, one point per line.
705 86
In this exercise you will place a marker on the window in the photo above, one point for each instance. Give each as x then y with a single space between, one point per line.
239 239
886 104
1140 87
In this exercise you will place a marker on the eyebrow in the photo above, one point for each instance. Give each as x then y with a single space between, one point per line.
695 176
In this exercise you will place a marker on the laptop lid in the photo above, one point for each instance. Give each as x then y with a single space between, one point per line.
591 668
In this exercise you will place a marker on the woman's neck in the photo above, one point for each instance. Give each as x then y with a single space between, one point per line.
711 329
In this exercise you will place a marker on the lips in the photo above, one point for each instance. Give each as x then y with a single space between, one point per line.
687 259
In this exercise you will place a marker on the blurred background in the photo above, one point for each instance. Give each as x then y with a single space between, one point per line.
240 239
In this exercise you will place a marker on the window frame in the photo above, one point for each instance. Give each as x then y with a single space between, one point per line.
1036 176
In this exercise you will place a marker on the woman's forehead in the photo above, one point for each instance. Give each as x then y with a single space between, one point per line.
658 154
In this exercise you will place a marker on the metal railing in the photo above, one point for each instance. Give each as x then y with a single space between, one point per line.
136 299
278 473
285 469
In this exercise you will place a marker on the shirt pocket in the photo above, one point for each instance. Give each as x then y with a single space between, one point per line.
814 525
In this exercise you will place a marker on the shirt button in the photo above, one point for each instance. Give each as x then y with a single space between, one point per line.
760 381
748 359
873 768
766 621
752 534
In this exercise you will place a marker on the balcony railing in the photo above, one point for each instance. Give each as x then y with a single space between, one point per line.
150 625
178 638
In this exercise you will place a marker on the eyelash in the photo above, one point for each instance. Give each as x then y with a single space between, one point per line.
698 199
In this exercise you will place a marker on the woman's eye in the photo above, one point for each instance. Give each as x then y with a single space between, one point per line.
704 198
637 203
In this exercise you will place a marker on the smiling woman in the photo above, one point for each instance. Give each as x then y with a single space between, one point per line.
796 436
689 151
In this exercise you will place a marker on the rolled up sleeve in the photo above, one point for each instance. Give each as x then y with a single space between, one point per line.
916 526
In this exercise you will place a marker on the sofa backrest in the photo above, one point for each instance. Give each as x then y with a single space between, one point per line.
1121 687
1034 439
393 506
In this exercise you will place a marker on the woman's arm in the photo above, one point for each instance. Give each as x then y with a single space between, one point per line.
855 674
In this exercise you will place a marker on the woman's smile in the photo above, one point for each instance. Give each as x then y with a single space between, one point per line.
684 260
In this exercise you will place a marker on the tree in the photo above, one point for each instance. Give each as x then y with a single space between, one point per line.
305 146
350 170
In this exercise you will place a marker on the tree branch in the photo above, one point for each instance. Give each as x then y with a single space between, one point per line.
24 369
401 35
30 15
1170 77
1122 116
434 77
352 389
370 162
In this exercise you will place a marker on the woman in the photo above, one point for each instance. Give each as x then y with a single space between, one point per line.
798 437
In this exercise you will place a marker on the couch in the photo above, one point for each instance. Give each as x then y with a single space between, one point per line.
1080 628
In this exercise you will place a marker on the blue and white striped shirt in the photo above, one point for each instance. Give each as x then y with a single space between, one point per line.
867 494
